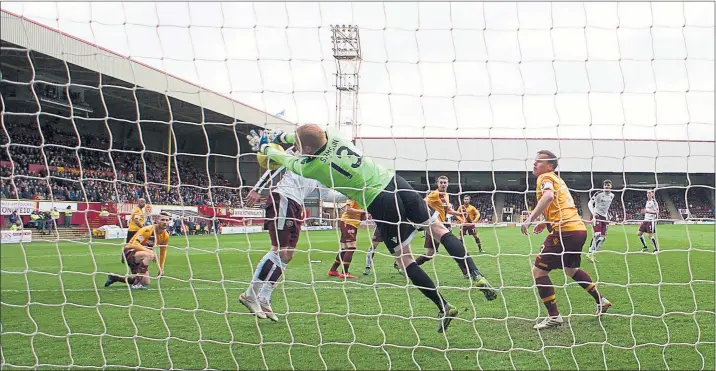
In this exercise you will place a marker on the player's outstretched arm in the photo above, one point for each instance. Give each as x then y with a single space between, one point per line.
254 195
279 136
290 162
329 195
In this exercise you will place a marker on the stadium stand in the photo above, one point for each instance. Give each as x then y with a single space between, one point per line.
98 164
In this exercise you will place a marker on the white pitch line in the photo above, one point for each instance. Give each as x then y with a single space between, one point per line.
362 287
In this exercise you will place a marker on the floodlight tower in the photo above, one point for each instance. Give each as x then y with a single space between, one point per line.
347 54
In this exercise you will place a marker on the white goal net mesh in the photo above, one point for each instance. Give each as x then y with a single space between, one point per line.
619 91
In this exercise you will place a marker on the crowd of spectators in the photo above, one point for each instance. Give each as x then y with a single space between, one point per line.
116 176
520 201
629 204
45 159
482 201
693 195
633 203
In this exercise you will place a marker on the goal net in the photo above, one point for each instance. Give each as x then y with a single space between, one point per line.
107 103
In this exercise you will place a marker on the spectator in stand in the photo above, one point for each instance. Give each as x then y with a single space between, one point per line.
12 220
36 219
68 216
16 226
47 222
55 215
176 227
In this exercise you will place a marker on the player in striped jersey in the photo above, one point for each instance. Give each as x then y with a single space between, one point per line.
599 207
284 216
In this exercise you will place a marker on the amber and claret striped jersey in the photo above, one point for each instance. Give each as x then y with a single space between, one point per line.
439 202
351 218
561 213
136 221
470 213
146 240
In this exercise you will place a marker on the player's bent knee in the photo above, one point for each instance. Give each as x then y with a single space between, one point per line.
537 272
286 255
438 230
570 271
401 251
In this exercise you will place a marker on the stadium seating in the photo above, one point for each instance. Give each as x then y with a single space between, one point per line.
111 175
107 175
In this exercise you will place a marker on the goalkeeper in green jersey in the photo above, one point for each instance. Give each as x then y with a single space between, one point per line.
399 211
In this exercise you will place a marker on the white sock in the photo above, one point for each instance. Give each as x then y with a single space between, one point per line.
256 283
268 287
600 241
595 241
369 257
266 291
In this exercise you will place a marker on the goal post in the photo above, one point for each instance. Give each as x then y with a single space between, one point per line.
106 103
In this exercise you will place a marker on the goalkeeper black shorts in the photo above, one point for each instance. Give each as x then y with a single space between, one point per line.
399 212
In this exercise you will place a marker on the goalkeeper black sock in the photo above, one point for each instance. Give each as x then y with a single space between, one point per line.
457 250
479 244
653 242
422 259
426 285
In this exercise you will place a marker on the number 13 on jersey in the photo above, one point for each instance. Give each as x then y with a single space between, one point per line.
347 160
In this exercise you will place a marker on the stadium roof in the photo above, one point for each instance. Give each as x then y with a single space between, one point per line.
43 39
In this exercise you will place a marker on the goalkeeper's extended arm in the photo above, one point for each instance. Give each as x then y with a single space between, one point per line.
329 195
290 162
282 137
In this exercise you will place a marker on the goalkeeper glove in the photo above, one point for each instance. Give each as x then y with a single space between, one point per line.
258 141
278 136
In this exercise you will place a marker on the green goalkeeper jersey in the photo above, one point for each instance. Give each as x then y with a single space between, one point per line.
338 165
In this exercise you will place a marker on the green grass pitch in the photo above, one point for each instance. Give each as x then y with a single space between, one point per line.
58 313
